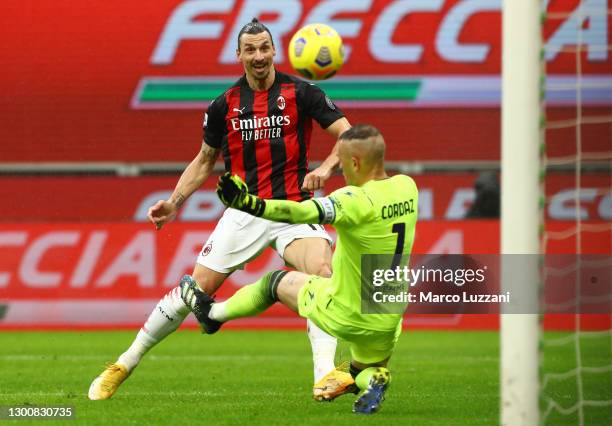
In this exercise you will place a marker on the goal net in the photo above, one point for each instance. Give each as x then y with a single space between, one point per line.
556 124
576 364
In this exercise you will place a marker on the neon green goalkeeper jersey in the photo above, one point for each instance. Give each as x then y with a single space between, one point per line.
376 218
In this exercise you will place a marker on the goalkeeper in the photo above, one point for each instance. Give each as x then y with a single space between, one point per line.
368 221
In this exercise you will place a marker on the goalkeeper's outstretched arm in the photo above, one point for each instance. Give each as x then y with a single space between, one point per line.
292 211
233 192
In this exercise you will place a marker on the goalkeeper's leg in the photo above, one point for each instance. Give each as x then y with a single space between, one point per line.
370 355
374 381
253 299
285 287
249 301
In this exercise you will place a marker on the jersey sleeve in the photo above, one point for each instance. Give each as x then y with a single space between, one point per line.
319 106
291 211
345 207
214 123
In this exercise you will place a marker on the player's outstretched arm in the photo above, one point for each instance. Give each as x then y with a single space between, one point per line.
233 192
192 178
316 178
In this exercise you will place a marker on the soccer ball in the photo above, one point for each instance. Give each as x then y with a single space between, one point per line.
316 51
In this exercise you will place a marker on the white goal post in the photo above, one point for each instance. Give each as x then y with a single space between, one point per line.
521 71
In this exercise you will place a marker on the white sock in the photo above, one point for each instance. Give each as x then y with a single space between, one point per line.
323 350
218 312
140 346
167 316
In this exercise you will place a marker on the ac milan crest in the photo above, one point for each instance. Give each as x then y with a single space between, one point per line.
280 102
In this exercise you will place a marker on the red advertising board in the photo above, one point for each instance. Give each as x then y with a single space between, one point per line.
111 275
103 81
90 199
80 79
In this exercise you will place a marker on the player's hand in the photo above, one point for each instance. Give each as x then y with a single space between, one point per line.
161 213
233 192
316 179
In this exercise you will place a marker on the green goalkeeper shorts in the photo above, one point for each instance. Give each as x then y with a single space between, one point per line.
367 346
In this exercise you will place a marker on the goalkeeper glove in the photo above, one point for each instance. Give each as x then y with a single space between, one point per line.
233 192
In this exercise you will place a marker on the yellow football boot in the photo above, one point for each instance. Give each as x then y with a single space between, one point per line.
335 383
106 384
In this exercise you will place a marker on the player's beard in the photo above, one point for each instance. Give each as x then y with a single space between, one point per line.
263 73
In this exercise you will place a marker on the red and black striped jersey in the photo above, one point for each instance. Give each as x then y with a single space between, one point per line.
265 135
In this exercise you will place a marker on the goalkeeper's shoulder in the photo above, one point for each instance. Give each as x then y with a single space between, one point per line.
405 181
399 183
350 204
346 195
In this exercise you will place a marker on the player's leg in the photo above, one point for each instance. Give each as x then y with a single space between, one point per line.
249 301
364 372
308 296
312 255
212 267
218 258
166 317
292 244
252 299
255 298
370 353
303 294
374 381
287 287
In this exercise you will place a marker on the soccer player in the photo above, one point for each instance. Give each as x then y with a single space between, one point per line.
262 125
375 214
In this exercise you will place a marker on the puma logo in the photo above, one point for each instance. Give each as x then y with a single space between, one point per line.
239 110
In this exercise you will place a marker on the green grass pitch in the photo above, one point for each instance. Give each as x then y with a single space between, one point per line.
265 377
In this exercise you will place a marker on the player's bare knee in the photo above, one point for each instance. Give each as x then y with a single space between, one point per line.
208 280
310 255
202 281
319 265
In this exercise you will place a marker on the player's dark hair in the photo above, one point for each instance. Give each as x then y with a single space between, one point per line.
254 27
360 131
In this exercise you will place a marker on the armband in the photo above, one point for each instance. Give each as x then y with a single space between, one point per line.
327 209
